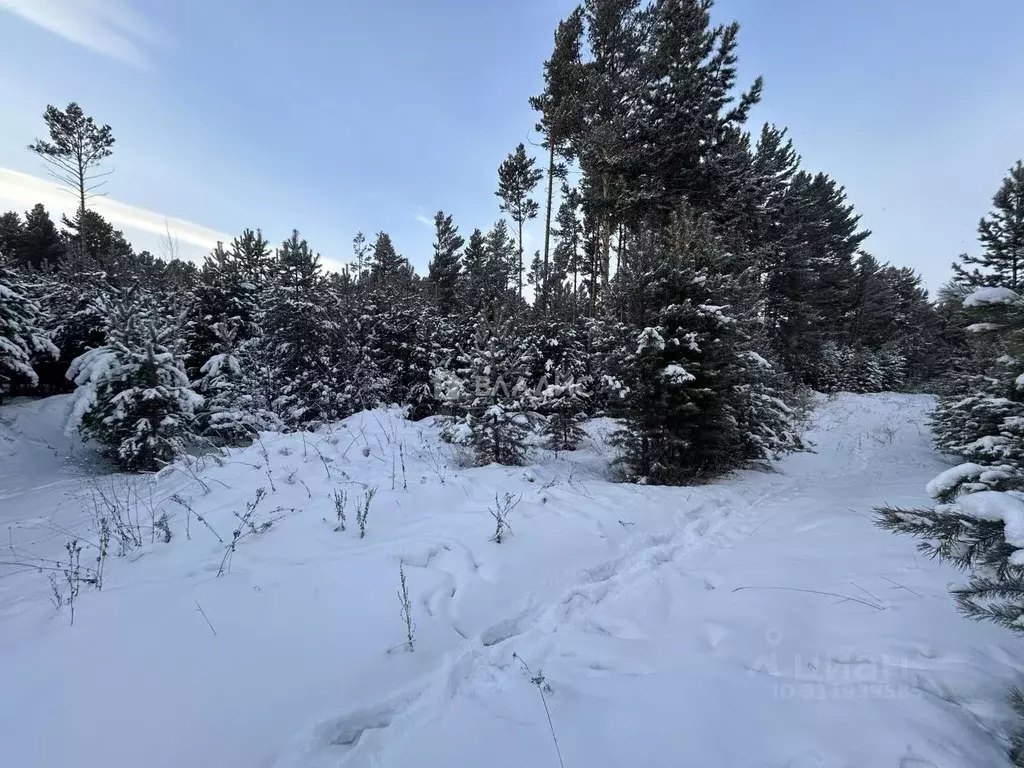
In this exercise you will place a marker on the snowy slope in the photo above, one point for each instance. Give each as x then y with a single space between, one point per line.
39 466
761 621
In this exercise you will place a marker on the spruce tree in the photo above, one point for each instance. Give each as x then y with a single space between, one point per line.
489 267
517 178
562 115
446 263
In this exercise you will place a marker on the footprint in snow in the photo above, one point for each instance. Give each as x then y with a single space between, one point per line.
500 632
333 741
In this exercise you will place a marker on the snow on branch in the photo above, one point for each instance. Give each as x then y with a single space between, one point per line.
985 297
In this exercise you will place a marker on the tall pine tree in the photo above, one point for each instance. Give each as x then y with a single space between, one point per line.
517 179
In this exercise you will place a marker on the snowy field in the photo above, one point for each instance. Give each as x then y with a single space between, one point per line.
760 621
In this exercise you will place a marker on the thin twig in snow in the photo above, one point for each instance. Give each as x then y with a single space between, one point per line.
873 597
541 684
208 622
897 585
819 592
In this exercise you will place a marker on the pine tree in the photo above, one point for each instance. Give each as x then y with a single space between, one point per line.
361 262
388 270
298 339
10 237
834 235
517 179
489 265
251 251
93 240
399 340
690 77
476 274
133 395
608 146
893 366
1001 234
768 424
562 116
227 294
39 242
22 339
446 263
811 275
76 148
567 256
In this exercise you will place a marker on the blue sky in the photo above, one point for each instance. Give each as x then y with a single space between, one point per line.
338 116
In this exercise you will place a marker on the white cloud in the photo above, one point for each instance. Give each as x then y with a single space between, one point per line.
420 217
20 191
108 27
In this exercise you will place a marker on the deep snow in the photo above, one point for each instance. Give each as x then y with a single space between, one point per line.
673 627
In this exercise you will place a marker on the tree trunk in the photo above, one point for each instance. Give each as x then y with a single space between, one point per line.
606 232
520 276
547 225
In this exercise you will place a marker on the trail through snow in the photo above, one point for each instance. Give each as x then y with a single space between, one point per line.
760 621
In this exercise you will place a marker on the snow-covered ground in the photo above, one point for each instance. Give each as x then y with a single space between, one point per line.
760 621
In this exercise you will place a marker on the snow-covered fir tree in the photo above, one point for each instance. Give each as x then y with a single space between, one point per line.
133 395
979 504
235 406
554 358
498 396
681 413
23 340
227 295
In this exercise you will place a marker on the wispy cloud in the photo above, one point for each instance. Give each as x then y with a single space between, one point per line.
22 190
108 27
420 216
